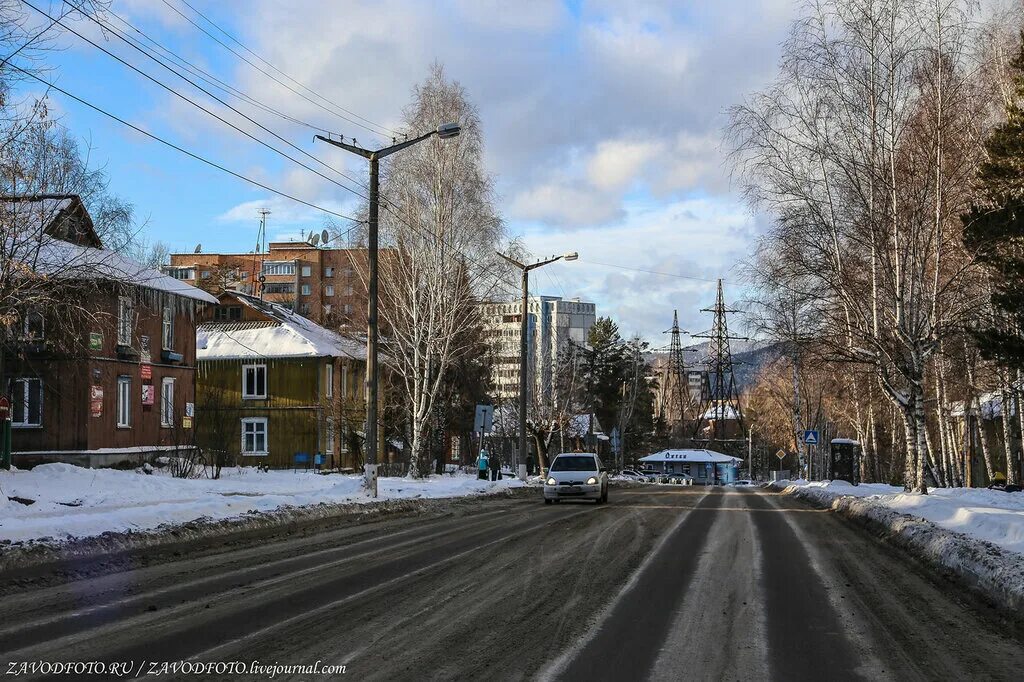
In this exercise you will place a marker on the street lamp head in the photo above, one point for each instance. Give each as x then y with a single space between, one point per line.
447 130
572 255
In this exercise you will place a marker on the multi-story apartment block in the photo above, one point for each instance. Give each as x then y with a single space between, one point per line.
327 285
552 323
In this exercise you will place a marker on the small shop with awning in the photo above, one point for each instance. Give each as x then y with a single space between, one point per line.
704 466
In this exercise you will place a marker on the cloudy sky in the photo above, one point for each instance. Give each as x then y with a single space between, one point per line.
602 122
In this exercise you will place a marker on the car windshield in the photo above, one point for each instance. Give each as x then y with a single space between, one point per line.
574 463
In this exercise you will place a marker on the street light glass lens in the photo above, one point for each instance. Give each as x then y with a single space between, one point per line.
572 255
447 130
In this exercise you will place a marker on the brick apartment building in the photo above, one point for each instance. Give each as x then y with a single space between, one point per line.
326 285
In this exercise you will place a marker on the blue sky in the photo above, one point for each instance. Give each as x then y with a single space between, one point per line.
602 122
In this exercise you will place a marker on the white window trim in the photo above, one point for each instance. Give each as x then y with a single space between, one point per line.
125 308
266 376
329 290
344 381
266 437
124 403
305 290
307 271
25 396
329 380
329 437
165 409
167 327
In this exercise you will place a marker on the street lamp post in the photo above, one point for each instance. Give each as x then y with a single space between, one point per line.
444 131
521 457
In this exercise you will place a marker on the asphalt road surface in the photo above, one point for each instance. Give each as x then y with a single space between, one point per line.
664 583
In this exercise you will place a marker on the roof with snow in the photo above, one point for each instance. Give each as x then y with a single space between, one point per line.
699 456
55 234
286 334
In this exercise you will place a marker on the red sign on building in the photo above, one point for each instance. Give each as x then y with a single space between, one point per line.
146 371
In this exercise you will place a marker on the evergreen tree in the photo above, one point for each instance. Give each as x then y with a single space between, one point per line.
994 230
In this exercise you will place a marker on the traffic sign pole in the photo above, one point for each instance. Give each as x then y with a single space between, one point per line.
5 433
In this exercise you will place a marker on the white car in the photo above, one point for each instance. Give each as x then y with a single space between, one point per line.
635 475
742 482
576 475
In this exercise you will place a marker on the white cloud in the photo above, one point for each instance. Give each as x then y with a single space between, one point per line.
618 163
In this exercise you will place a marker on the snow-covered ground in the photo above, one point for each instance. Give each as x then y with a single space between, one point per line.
990 515
72 502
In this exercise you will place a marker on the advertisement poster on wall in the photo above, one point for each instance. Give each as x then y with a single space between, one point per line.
96 400
148 394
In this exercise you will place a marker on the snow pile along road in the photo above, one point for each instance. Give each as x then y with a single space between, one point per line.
62 501
976 536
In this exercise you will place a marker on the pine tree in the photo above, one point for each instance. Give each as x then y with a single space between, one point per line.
994 230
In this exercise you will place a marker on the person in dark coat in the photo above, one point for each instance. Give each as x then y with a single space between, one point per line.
495 467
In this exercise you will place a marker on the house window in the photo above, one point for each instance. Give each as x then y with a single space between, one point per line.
344 380
304 308
181 273
26 402
167 402
329 436
227 313
329 271
348 291
278 288
305 290
329 290
35 326
124 401
329 380
306 271
168 328
125 321
278 268
254 436
205 274
348 308
254 382
327 308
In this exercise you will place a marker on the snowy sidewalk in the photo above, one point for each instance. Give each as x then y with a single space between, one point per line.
990 515
71 502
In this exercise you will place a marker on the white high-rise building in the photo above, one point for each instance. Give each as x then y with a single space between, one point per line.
552 323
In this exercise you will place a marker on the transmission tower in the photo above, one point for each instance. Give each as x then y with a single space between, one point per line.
720 402
675 381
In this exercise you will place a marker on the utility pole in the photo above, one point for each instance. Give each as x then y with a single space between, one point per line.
722 401
523 350
444 131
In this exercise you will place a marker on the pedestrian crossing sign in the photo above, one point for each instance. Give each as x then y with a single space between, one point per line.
811 437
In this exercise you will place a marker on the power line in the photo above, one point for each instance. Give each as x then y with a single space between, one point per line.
227 47
210 78
300 84
200 106
184 151
649 272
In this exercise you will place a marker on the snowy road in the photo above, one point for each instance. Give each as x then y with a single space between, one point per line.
662 583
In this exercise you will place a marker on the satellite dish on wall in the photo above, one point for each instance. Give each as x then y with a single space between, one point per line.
314 240
199 248
324 237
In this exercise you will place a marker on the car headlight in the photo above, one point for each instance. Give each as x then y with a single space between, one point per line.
591 481
552 481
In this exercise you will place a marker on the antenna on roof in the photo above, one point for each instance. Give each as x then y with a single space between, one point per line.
199 248
314 240
324 237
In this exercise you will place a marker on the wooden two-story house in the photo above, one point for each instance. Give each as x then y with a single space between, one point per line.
111 377
277 389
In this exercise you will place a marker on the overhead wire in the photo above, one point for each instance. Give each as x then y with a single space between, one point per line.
299 83
180 149
384 135
200 106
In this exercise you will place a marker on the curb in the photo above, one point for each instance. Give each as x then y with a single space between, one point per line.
994 574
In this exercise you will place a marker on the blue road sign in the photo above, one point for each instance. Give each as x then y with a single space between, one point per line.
811 437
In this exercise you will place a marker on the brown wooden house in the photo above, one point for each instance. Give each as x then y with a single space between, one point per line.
116 382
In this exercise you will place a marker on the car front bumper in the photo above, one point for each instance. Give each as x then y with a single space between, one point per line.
569 492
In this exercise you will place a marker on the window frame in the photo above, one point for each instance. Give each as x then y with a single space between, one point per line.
124 402
329 271
305 290
329 436
31 314
166 406
255 367
125 320
167 327
27 382
329 290
307 270
329 379
266 437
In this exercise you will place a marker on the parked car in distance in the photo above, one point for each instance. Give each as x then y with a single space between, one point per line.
635 475
680 479
743 482
576 475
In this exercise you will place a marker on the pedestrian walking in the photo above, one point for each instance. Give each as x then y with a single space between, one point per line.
481 464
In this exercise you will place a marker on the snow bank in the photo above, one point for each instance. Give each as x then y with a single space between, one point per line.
71 502
990 515
974 536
